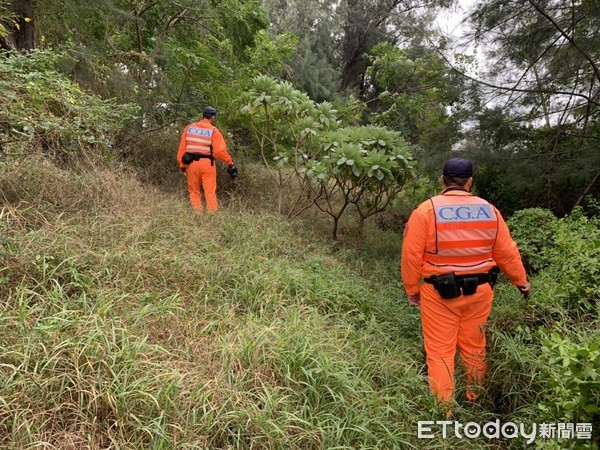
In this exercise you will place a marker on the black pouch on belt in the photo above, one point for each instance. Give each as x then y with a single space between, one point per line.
469 285
446 285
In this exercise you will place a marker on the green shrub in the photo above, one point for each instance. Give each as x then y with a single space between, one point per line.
533 229
565 252
573 372
41 107
576 260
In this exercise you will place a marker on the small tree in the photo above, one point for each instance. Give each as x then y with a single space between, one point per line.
389 166
286 124
361 166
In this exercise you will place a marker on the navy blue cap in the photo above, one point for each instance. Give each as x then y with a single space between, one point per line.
210 111
459 168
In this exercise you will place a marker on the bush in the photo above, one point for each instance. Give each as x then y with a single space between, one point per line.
573 371
564 355
576 260
43 108
533 229
565 252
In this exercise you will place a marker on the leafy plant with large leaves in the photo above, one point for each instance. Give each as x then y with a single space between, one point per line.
362 166
286 124
334 167
6 17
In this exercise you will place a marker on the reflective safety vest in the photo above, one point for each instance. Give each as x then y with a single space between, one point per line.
466 228
199 140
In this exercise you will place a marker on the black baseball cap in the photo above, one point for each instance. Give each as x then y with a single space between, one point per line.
459 168
209 111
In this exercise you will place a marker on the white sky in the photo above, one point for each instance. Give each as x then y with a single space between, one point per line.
449 22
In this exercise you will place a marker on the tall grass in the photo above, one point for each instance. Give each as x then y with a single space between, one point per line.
126 322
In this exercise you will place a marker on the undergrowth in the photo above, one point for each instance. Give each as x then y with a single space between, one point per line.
128 322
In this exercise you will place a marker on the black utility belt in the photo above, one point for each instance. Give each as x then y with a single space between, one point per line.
189 157
452 286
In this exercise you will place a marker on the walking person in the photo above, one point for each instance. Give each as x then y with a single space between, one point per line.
456 243
202 143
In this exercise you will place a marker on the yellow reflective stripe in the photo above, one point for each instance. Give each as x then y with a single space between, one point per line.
465 267
198 139
465 235
458 252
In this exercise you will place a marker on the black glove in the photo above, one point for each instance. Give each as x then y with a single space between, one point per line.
232 171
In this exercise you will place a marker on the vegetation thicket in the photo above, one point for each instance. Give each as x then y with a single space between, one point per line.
126 321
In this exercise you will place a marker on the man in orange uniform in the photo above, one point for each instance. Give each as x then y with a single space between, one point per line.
200 145
455 242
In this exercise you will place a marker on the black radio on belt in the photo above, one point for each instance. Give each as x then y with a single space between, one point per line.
450 285
446 285
190 157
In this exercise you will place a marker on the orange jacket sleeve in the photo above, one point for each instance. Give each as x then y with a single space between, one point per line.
181 149
507 256
220 148
413 248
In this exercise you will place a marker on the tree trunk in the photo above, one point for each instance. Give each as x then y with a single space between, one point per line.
6 44
360 233
280 201
587 189
336 221
25 31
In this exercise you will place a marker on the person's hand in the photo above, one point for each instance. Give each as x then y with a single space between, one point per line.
232 171
414 300
525 290
183 172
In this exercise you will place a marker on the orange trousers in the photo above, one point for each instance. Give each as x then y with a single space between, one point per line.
448 324
201 173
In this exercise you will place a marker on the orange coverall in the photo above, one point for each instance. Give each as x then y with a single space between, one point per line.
458 322
202 172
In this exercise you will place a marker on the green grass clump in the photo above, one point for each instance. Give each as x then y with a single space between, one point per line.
128 322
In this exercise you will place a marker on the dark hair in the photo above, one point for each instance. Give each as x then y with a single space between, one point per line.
208 116
455 181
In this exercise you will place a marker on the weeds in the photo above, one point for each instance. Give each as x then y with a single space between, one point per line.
128 322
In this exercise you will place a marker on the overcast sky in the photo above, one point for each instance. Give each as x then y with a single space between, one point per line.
449 22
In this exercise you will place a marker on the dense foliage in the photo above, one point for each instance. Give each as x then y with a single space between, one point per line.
362 166
42 108
127 322
565 253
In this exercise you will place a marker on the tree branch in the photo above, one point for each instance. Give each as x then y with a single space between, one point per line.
588 98
587 189
544 13
514 89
